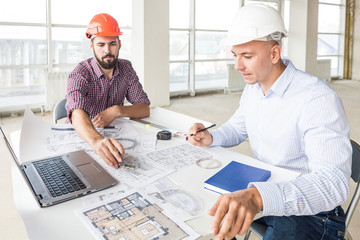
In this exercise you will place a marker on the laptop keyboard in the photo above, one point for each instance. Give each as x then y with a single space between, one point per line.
58 177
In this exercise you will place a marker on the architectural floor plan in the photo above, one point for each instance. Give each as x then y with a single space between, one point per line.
178 156
134 217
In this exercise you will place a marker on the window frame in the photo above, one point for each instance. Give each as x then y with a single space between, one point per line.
341 45
49 67
192 60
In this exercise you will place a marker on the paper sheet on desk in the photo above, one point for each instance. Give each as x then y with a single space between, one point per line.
33 131
38 140
37 134
60 141
165 192
172 120
133 215
178 156
65 134
169 195
147 172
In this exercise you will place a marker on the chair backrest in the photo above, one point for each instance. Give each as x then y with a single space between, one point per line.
59 110
355 175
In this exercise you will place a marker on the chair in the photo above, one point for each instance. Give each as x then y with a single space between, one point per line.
59 110
260 229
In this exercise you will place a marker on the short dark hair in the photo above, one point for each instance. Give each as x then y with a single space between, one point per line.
92 39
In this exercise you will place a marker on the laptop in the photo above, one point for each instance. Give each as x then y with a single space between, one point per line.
64 177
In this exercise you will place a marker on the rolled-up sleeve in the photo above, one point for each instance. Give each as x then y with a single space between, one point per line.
135 93
77 91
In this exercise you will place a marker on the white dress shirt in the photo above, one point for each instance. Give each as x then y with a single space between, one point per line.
300 125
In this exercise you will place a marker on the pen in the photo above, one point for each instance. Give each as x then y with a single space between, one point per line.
127 164
204 129
122 159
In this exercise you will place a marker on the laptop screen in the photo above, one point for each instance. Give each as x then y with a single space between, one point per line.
10 148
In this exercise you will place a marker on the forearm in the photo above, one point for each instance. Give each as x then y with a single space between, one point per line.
226 136
308 194
231 133
139 110
84 127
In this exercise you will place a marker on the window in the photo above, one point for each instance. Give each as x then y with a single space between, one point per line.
23 52
69 43
331 34
197 61
33 45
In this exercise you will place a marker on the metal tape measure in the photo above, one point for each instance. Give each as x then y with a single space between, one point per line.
163 135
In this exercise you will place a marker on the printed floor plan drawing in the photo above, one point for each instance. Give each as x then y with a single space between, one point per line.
178 156
134 217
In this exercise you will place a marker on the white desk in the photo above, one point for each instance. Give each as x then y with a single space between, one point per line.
60 221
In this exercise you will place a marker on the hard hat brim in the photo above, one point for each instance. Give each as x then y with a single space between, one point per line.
235 40
106 34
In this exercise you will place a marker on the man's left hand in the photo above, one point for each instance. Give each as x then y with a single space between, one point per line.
105 117
234 212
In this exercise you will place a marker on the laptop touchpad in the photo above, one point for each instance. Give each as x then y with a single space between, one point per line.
88 169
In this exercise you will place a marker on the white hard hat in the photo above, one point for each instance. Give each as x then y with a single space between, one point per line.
255 22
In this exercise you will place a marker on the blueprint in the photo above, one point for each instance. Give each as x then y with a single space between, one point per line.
133 216
165 193
179 156
61 139
144 174
146 171
136 143
152 165
168 194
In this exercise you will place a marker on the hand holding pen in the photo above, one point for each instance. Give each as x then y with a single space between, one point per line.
199 135
204 129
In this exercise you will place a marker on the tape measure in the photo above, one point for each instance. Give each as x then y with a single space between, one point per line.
163 135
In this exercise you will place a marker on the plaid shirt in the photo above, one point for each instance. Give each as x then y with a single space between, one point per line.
88 88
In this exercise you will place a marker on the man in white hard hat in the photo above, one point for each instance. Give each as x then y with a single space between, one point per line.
293 120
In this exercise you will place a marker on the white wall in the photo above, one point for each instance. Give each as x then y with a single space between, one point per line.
356 44
150 48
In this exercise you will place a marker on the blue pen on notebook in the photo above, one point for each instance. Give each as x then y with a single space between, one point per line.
204 129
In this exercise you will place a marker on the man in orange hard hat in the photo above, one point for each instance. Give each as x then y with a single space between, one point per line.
292 120
97 88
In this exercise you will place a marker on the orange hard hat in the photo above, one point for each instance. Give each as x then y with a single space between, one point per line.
103 25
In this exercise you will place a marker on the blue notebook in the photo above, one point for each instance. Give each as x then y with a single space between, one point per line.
235 176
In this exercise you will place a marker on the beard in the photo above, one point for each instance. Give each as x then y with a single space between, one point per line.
106 64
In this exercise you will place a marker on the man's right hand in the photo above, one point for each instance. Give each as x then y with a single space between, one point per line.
234 212
109 150
201 139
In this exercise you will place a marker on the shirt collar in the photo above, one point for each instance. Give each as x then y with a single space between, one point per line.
281 84
98 70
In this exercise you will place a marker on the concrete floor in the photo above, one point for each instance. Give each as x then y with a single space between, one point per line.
215 108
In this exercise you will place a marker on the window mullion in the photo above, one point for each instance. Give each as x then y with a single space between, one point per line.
49 35
192 49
